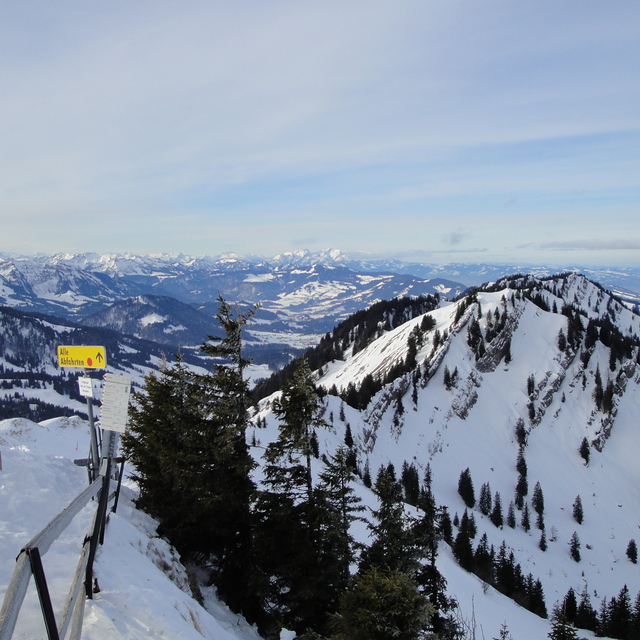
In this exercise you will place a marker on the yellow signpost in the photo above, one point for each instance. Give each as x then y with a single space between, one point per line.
82 356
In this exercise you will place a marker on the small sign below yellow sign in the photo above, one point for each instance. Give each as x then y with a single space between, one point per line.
83 357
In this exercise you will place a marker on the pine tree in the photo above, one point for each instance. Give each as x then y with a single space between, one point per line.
511 516
570 605
163 423
226 398
598 392
620 614
299 412
561 628
188 436
392 546
542 544
445 526
465 488
299 540
585 450
525 521
578 514
426 534
574 547
462 549
410 483
537 499
383 604
337 487
483 562
586 617
496 514
504 633
485 501
632 551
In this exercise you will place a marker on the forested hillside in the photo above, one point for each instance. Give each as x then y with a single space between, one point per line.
499 433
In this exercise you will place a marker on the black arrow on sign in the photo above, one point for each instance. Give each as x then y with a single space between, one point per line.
99 357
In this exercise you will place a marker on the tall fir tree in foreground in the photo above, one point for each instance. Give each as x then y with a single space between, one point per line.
226 399
187 442
166 424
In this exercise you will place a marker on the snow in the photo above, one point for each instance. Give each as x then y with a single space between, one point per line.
151 318
144 590
472 425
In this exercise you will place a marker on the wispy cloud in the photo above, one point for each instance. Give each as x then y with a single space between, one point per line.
183 120
592 245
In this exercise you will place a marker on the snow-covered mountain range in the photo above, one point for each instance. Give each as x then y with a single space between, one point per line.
526 367
301 296
535 367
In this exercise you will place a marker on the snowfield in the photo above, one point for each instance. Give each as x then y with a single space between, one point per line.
145 592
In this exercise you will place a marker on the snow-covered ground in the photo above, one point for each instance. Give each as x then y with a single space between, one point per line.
144 590
470 425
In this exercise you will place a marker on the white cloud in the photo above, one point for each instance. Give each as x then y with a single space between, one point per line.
150 111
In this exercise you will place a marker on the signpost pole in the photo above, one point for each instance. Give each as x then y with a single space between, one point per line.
95 456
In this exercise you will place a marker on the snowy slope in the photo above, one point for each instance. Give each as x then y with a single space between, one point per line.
144 590
473 425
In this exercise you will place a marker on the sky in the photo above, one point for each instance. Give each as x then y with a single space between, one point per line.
458 131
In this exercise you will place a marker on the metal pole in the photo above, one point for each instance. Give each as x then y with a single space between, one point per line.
43 593
95 456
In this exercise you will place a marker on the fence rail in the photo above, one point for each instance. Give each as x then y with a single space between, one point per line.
29 563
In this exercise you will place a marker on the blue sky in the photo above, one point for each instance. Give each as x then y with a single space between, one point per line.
494 131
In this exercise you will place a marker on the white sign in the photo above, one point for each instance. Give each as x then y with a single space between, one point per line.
86 387
115 402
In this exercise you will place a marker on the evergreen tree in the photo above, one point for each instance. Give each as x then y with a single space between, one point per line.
337 486
511 516
165 422
562 341
521 463
504 633
301 545
525 522
485 501
586 617
465 488
445 526
462 549
299 410
574 547
348 437
383 604
410 483
561 628
537 499
585 450
507 352
542 544
620 615
570 605
632 551
635 619
578 514
426 535
196 428
483 561
496 514
392 546
366 476
522 488
598 392
447 378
